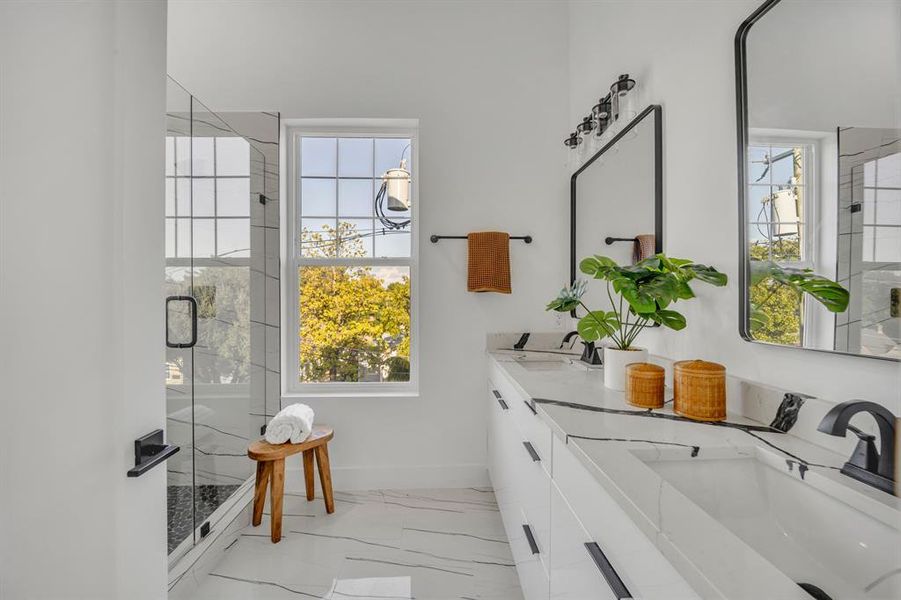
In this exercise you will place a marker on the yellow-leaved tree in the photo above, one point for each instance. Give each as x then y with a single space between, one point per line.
354 320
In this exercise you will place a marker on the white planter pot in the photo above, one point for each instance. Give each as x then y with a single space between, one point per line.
615 362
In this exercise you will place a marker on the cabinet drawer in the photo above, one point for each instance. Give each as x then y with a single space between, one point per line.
532 427
533 577
640 565
573 572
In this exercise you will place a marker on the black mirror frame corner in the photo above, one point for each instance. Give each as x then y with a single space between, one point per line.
741 106
657 111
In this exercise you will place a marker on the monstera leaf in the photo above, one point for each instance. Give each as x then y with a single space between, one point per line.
829 293
646 289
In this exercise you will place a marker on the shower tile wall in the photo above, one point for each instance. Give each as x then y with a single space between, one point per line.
859 329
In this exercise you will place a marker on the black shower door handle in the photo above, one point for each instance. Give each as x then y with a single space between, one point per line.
190 300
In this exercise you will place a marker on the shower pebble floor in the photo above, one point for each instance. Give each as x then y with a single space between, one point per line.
400 544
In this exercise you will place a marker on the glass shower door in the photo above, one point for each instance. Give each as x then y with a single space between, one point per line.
180 321
221 201
222 308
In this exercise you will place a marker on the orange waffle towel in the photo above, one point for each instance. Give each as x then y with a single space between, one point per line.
645 246
489 262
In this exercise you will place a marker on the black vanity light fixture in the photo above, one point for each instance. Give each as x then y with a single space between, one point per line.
618 93
586 126
572 141
605 112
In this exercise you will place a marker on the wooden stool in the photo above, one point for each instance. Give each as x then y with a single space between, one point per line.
271 470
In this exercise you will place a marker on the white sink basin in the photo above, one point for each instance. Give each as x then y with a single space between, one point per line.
848 547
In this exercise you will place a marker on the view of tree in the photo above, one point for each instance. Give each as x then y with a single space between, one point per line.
354 321
778 306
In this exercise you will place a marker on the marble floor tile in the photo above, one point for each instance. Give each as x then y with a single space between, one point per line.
439 544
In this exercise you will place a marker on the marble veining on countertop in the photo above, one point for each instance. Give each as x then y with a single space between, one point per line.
611 438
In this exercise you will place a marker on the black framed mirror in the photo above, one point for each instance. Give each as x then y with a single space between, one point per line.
819 175
616 196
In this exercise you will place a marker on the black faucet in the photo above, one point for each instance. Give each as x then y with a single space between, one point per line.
590 354
874 468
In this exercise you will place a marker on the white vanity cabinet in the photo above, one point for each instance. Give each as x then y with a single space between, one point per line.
573 571
522 488
569 538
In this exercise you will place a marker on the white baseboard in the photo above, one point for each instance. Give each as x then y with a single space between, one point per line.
395 477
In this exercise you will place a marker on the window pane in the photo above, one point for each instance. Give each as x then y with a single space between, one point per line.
757 172
202 156
888 207
355 197
317 197
317 238
787 205
233 237
355 157
170 197
355 238
170 238
388 152
232 156
782 166
183 196
390 243
183 238
354 324
888 244
318 157
183 156
233 197
203 197
204 238
759 203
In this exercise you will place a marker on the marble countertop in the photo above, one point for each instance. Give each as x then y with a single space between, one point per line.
607 435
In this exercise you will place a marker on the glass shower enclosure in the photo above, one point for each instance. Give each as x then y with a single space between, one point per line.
221 302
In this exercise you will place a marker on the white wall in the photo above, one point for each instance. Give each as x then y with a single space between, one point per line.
840 69
488 82
681 54
82 101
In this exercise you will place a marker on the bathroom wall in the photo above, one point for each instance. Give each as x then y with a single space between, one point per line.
681 53
488 83
82 103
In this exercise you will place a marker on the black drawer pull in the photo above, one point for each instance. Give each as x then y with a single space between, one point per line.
531 450
532 408
503 404
616 584
497 394
530 538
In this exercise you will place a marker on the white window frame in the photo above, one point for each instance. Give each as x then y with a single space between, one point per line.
363 128
812 171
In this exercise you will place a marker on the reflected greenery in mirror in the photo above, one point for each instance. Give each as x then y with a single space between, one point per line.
819 165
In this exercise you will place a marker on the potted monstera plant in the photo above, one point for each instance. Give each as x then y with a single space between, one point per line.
640 295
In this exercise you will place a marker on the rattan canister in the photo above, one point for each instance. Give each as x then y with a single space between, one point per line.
644 385
699 390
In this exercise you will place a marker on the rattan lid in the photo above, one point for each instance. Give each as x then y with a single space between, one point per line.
644 369
699 367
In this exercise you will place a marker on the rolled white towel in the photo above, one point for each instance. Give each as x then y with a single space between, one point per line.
293 423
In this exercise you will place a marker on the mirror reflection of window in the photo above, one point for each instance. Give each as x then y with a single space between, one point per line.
780 200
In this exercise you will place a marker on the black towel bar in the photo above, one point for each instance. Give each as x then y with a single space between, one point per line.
610 240
526 238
